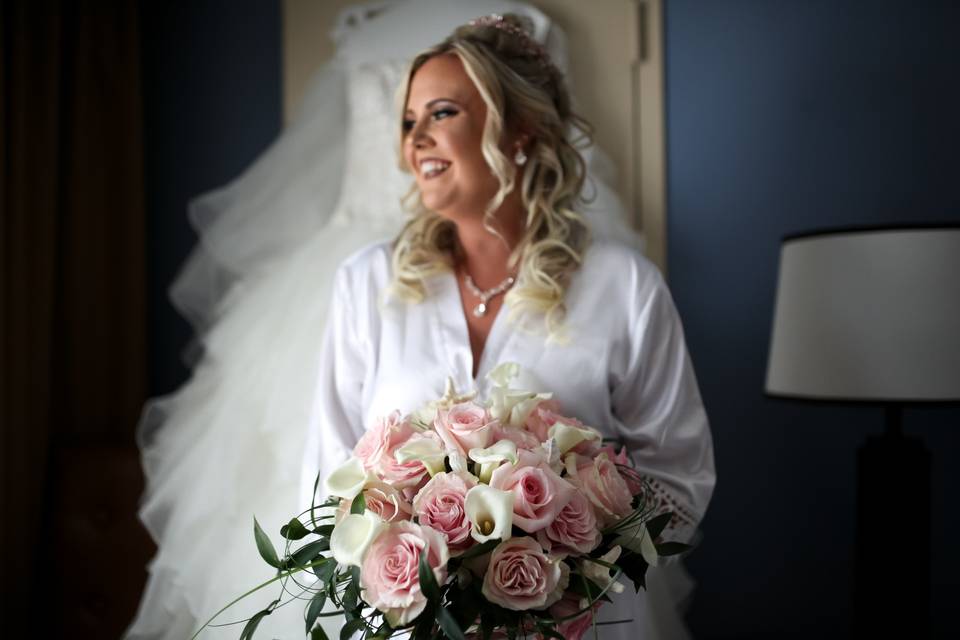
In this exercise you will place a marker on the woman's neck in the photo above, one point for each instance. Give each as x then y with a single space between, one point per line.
483 255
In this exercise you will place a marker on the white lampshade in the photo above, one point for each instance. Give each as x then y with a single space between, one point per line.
868 315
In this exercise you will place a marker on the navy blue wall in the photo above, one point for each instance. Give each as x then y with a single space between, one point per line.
785 116
211 91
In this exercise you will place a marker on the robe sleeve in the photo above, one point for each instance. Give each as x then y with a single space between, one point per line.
336 417
661 416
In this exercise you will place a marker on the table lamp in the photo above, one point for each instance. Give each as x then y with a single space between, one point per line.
871 316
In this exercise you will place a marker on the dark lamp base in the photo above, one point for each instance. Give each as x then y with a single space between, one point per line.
892 588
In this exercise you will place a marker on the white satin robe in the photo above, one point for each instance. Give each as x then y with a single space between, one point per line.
623 369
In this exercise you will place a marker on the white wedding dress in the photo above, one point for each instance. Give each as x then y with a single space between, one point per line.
228 445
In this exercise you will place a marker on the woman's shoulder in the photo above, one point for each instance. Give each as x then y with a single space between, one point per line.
619 264
369 265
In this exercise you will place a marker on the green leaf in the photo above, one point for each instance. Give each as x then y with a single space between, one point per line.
547 631
428 582
351 628
466 606
424 628
332 582
264 546
294 530
359 504
657 524
314 609
672 548
252 623
587 588
634 567
486 627
325 571
480 549
450 627
308 552
383 632
319 634
351 597
324 530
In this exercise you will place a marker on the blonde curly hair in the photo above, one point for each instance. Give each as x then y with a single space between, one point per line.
520 88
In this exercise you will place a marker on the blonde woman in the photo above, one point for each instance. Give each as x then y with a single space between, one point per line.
497 265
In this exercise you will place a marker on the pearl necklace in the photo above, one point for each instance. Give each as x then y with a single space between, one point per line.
481 309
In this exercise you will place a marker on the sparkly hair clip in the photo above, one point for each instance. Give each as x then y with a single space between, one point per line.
530 46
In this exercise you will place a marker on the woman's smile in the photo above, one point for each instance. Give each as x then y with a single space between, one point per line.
432 167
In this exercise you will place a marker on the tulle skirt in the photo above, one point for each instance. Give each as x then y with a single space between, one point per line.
230 448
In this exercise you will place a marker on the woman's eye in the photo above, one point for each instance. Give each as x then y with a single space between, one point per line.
407 125
440 114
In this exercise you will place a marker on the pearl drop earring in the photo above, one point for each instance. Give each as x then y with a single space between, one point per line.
520 158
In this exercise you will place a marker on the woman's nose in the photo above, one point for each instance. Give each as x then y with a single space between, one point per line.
420 137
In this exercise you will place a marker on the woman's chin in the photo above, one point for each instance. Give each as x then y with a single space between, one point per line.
433 203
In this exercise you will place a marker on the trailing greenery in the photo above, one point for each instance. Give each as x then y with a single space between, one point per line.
454 608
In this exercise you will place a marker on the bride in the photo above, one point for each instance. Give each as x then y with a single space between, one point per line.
224 447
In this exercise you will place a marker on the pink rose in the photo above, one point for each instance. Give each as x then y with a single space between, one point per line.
517 435
378 445
385 501
439 505
574 531
602 483
539 493
543 416
617 458
621 459
390 573
520 576
574 628
408 476
547 414
375 441
464 426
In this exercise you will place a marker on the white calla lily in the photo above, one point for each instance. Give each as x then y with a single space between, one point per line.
348 479
491 457
512 407
353 536
600 574
638 539
423 417
427 450
490 512
551 454
503 373
568 436
458 465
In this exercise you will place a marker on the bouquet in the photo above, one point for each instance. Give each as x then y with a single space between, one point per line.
472 519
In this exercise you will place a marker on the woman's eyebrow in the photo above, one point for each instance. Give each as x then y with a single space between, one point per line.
437 100
433 103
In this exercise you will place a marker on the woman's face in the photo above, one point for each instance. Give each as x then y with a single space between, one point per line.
443 127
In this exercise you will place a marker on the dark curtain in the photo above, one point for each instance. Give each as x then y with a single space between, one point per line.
72 338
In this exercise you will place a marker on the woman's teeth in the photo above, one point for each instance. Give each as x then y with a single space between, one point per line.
431 168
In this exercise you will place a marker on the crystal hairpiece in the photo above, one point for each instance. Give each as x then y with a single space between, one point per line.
530 46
